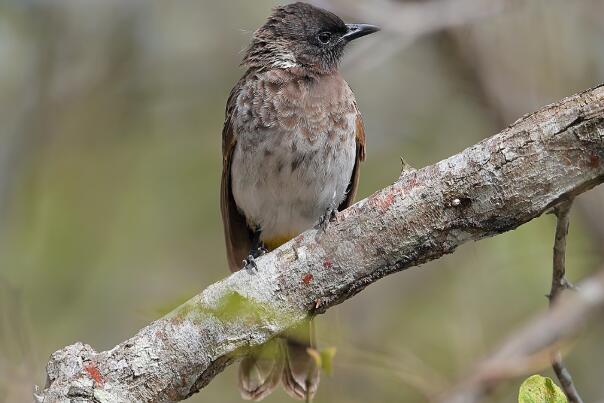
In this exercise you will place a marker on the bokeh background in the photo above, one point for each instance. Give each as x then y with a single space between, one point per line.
110 120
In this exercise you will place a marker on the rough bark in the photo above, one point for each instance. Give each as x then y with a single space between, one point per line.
492 187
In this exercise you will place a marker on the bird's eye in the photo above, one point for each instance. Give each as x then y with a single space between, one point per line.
324 37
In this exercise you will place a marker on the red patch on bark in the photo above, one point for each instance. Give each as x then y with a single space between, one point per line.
594 161
327 264
94 373
307 279
385 202
410 184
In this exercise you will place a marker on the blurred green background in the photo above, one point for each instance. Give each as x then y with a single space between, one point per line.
110 120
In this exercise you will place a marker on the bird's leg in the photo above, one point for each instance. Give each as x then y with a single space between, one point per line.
329 215
256 251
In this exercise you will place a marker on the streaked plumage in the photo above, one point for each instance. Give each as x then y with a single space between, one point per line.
292 143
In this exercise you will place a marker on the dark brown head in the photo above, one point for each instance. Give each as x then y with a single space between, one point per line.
301 35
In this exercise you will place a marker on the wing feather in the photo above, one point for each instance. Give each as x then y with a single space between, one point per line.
237 234
360 156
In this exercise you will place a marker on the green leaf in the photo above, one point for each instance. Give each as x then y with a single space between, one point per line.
327 356
539 389
324 358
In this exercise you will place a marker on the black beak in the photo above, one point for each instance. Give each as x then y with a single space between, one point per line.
356 31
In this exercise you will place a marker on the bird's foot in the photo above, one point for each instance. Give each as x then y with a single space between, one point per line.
250 263
262 251
328 217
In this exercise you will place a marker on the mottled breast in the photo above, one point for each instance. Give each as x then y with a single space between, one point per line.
295 150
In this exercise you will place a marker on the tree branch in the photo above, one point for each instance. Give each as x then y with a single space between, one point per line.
493 187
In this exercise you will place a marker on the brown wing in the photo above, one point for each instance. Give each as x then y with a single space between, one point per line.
237 235
354 180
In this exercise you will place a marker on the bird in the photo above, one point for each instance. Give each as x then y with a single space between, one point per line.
292 144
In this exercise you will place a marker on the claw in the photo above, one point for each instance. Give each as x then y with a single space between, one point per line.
329 216
250 264
256 251
333 216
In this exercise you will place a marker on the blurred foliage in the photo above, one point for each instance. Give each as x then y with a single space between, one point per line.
110 121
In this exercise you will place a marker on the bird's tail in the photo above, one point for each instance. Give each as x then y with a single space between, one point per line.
285 359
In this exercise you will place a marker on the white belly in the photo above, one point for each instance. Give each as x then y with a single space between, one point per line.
284 183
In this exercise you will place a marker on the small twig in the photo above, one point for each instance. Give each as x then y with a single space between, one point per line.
308 397
559 284
406 167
